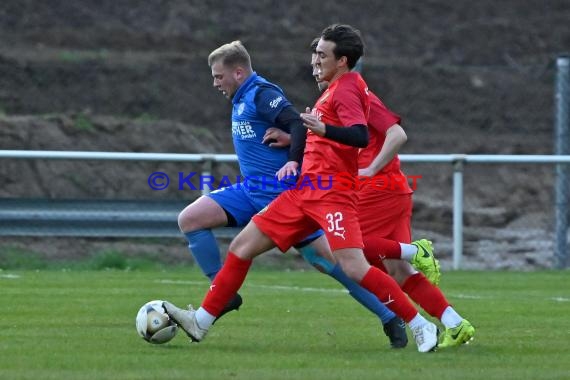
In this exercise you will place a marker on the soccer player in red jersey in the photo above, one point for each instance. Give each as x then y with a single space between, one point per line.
337 128
258 104
385 209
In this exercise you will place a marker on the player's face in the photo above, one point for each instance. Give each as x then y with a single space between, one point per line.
323 85
224 79
330 67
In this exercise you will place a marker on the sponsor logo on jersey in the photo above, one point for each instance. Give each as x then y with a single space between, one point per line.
243 130
275 102
340 234
240 108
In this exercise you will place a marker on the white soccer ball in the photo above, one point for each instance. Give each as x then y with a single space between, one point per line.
153 324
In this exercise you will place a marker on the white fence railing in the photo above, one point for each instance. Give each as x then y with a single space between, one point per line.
456 160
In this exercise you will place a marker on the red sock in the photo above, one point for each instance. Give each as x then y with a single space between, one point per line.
226 284
425 294
376 249
388 291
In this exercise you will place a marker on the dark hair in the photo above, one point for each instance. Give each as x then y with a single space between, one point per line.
314 44
348 42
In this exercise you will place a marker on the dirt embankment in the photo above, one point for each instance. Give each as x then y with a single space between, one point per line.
467 77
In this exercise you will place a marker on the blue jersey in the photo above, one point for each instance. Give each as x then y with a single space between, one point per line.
256 105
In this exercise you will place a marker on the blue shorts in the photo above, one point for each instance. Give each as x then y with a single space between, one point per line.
243 205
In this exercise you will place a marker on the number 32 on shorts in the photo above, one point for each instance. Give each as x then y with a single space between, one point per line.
334 224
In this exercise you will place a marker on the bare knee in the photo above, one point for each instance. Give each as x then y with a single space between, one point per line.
353 263
189 220
352 272
399 270
200 214
238 246
186 222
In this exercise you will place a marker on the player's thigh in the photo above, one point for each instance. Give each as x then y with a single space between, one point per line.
285 221
202 213
240 204
250 242
218 209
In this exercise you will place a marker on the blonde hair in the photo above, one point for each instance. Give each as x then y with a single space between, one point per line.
231 54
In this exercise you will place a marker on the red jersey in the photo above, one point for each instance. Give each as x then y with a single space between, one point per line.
390 178
344 103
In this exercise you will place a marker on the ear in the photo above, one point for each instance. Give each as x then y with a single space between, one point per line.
342 61
239 73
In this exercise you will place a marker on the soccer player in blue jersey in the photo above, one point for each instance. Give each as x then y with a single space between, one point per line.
258 105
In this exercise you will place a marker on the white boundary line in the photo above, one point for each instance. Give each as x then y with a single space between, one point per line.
328 290
10 276
301 289
271 287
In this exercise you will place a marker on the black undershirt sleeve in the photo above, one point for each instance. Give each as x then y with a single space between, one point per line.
355 135
289 120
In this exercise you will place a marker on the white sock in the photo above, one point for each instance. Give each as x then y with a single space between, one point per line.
204 319
450 318
417 321
408 251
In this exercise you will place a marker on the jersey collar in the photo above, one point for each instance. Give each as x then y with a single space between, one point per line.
244 87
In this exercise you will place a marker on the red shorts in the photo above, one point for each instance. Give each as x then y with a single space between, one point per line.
295 214
384 214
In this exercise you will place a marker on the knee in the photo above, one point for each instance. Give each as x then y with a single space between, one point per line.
399 277
244 249
391 271
353 264
185 222
400 272
354 272
189 221
238 246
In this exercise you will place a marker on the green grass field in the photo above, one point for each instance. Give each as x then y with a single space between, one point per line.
78 324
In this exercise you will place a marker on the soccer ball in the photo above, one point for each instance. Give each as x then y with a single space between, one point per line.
153 324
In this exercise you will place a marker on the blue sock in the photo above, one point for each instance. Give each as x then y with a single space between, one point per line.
204 248
312 257
363 296
367 299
